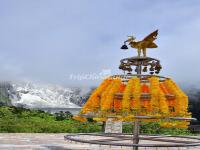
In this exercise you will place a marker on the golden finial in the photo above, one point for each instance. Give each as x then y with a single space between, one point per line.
147 42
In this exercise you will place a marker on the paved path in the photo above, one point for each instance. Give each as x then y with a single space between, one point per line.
28 141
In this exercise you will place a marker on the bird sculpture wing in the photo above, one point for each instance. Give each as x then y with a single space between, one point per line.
149 40
151 37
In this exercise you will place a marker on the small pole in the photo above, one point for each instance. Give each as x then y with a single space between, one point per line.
136 129
139 69
136 126
103 126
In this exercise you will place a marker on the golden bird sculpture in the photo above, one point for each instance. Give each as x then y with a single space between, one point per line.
141 46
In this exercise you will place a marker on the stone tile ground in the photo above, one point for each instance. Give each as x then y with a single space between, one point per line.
24 141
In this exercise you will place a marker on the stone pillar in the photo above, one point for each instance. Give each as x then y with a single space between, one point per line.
113 127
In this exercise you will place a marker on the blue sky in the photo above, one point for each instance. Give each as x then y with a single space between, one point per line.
48 40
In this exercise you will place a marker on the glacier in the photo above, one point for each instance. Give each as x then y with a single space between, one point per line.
35 95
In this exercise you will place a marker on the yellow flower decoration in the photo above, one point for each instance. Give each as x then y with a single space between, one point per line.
181 100
107 98
164 109
154 90
126 100
93 102
136 94
100 119
79 118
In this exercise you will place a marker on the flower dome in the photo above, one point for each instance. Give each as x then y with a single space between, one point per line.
146 98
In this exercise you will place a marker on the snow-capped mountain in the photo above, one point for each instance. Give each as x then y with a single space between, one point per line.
34 95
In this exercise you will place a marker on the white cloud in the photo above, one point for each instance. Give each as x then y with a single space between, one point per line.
48 40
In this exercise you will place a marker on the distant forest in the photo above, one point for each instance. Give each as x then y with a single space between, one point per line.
194 105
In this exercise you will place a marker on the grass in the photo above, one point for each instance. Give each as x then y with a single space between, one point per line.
155 128
21 120
13 120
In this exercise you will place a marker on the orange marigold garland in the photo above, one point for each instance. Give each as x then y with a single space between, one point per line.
100 119
93 102
181 105
136 95
117 101
145 88
154 90
175 124
107 100
126 100
164 109
145 102
163 88
104 95
129 118
181 100
79 118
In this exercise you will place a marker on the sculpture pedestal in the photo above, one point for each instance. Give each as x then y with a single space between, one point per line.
113 127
